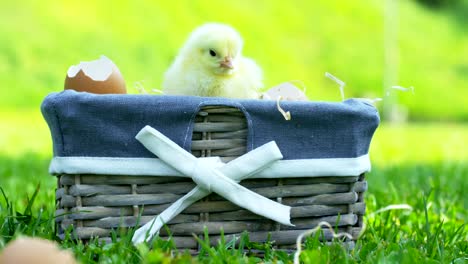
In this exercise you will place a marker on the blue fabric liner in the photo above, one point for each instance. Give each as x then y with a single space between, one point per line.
90 125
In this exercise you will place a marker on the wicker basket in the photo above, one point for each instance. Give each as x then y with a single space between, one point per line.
95 205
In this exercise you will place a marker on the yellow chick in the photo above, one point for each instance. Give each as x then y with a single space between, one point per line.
211 64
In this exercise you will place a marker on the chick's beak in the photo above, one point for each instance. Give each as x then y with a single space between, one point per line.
227 63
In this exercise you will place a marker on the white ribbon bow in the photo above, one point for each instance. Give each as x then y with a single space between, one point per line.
211 175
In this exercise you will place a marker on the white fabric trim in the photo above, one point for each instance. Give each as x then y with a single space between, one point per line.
156 167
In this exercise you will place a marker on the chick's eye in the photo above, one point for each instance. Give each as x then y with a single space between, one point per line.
212 53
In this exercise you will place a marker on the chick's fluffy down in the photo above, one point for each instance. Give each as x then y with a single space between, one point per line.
211 64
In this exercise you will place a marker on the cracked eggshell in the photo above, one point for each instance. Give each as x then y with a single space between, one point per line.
99 76
287 91
35 250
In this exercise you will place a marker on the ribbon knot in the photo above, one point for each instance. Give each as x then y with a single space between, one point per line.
204 175
211 175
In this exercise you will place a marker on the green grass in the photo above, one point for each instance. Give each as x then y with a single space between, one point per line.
298 40
433 232
424 166
419 142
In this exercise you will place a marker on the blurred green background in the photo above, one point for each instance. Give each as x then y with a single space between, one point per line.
296 40
371 45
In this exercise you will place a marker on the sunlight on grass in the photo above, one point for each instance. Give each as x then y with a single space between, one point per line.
25 151
24 132
419 143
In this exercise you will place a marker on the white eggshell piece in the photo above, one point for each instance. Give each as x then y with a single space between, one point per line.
287 91
97 70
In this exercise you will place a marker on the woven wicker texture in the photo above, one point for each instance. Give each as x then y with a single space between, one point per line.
97 205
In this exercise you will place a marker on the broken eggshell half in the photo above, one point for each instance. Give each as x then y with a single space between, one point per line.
100 76
286 91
